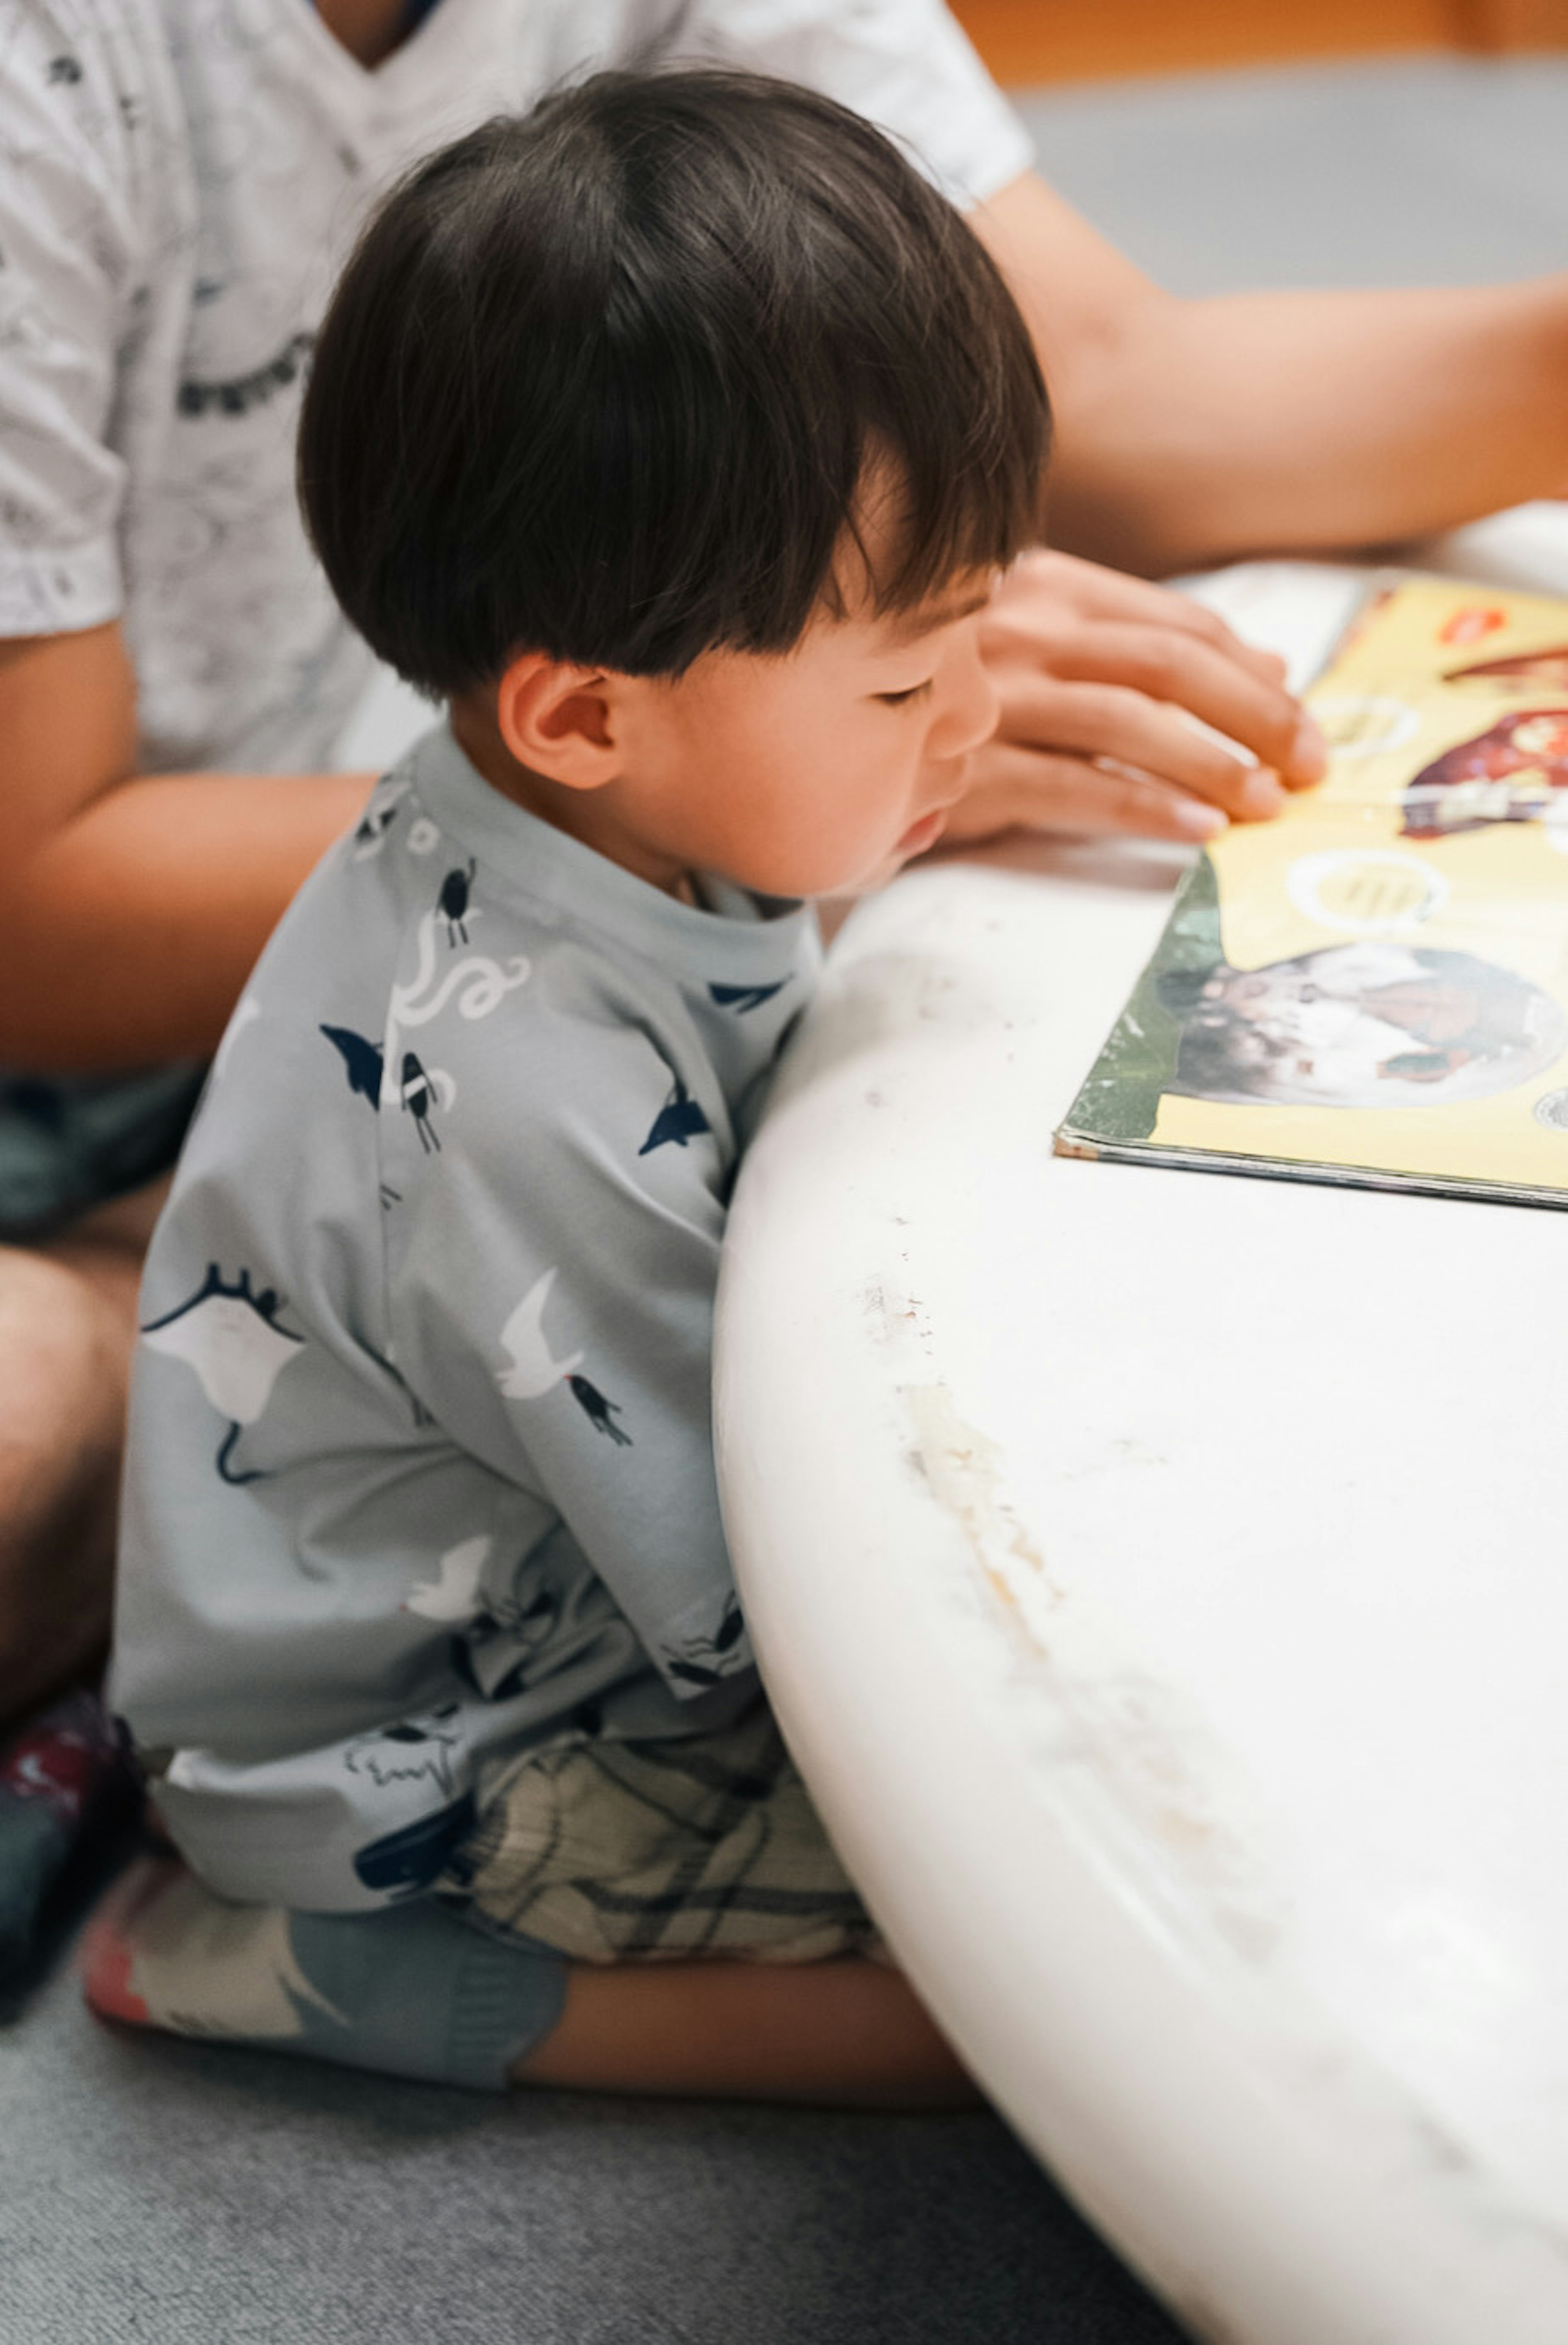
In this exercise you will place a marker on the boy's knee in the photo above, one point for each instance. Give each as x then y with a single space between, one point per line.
64 1345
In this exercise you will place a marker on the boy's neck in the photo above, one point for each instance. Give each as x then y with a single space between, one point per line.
577 813
369 29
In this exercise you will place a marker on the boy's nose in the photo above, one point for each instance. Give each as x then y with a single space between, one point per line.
970 706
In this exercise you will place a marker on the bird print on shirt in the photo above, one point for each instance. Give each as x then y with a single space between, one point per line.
704 1661
453 1595
371 833
535 1371
361 1060
742 998
453 902
679 1120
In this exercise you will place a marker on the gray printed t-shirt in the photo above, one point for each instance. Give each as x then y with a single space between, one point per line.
420 1467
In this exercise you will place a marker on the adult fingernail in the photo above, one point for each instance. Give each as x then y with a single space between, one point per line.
1198 820
1309 751
1261 796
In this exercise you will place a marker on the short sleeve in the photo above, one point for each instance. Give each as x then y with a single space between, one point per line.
562 1190
905 65
69 271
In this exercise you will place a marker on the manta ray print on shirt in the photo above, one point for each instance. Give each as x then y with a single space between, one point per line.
229 1335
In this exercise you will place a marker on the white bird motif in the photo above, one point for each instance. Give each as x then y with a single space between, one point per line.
231 1339
533 1371
455 1594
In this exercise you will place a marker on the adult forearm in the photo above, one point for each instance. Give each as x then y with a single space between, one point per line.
1194 431
127 936
1201 431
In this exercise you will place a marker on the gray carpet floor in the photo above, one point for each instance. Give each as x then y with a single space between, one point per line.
155 2192
177 2195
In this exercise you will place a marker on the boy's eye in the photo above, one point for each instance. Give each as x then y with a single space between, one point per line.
897 699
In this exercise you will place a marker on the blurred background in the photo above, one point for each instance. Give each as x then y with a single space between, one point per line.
1231 143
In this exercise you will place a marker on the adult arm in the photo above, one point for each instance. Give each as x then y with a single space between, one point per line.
132 906
1200 431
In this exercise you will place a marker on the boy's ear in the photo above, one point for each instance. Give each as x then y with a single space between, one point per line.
558 720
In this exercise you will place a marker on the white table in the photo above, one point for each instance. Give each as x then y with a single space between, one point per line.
1162 1581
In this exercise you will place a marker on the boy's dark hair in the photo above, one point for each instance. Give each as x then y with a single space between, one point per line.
606 381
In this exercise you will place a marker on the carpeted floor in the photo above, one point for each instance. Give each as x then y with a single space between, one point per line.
163 2193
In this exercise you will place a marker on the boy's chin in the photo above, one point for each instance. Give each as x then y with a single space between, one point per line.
916 840
921 835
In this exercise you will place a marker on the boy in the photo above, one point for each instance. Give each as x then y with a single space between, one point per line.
674 435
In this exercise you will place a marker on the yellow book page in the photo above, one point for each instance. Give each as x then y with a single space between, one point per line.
1393 987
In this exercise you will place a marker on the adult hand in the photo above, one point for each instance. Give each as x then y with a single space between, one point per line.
1100 677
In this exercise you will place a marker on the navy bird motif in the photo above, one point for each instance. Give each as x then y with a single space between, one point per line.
703 1662
453 902
418 1096
403 1861
742 998
363 1059
679 1118
599 1411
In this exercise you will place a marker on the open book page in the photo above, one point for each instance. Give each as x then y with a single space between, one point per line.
1373 989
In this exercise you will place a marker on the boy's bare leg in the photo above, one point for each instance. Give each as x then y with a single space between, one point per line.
68 1322
416 1991
843 2035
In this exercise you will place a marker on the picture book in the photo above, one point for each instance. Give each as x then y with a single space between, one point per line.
1373 989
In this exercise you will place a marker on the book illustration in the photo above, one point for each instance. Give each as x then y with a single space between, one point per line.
1374 988
1513 772
1544 670
1363 1025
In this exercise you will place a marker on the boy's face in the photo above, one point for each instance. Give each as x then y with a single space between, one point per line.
823 770
819 771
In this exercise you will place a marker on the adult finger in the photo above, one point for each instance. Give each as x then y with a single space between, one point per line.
1017 788
1044 583
1183 669
1109 720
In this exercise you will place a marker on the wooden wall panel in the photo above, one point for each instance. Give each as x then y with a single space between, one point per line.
1034 41
1511 24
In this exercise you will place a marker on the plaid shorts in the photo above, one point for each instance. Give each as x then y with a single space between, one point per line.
636 1851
